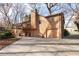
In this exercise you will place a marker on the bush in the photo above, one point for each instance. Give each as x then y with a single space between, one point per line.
77 24
6 34
66 33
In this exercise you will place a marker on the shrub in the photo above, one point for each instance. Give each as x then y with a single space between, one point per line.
6 34
66 33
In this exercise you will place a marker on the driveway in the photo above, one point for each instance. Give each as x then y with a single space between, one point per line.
42 47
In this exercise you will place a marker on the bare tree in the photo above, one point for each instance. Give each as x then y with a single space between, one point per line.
76 11
18 12
50 6
68 13
10 12
4 10
35 6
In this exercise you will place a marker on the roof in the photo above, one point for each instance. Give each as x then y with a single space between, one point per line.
20 24
54 15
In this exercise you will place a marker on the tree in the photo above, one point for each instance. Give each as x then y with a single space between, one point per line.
50 6
76 12
19 11
4 10
35 6
12 13
68 13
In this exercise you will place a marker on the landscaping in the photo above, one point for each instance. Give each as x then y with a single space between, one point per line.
66 33
6 38
6 42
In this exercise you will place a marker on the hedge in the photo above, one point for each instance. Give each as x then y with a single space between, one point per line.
5 34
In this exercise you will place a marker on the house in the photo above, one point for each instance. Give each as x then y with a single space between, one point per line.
51 26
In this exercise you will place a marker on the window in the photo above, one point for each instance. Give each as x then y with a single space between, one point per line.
39 22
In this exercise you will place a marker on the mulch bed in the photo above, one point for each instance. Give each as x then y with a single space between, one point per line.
6 42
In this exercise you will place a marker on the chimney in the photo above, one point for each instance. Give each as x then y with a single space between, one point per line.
34 19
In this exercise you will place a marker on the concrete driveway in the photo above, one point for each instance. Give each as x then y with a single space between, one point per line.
41 47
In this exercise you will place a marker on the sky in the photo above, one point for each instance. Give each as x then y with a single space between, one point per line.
43 10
